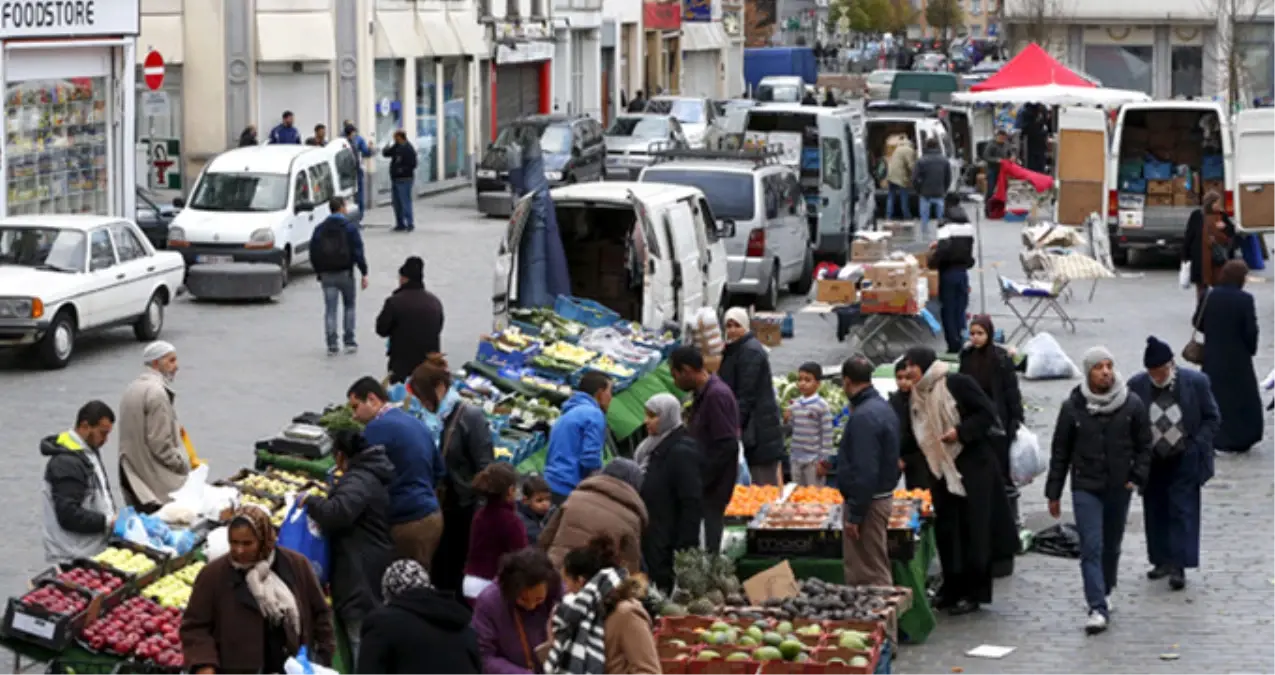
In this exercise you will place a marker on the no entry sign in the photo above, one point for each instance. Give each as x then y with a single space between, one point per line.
153 70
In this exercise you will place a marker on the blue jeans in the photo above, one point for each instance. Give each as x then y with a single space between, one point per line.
1100 520
903 194
401 196
359 196
928 204
954 298
338 285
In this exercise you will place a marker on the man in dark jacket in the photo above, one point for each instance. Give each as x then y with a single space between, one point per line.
402 158
79 508
412 320
320 137
1103 439
714 423
336 249
284 133
355 519
1184 420
638 104
746 370
952 254
930 178
419 629
867 471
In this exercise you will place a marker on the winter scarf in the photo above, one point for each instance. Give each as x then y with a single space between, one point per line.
579 643
669 413
274 599
433 421
933 413
1111 400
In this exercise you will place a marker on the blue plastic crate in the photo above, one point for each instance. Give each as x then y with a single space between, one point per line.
618 385
585 311
487 353
786 326
1157 171
1133 185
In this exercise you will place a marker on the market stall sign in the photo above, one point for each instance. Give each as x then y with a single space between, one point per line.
697 10
165 164
68 18
662 16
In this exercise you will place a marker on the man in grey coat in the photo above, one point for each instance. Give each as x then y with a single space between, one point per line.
153 457
931 177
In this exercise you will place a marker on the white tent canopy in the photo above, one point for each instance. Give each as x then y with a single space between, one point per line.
1053 94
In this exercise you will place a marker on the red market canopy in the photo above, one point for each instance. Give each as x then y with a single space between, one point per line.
1032 67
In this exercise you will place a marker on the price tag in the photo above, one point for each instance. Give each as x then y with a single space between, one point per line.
34 626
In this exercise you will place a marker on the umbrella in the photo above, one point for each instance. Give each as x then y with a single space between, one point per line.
1053 94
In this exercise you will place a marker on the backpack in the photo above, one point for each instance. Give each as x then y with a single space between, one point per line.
332 248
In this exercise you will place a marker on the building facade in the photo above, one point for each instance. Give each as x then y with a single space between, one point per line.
704 49
623 66
577 61
662 26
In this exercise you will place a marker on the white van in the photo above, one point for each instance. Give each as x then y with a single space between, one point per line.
679 267
262 203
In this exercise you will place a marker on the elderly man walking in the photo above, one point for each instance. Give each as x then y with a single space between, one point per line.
153 457
1184 418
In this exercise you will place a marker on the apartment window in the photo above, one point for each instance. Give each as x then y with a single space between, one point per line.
976 7
512 8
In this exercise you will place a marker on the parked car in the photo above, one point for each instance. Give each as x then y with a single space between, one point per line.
632 137
879 84
65 276
931 62
574 151
154 216
697 116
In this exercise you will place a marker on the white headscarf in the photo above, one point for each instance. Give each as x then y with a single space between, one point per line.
739 315
668 411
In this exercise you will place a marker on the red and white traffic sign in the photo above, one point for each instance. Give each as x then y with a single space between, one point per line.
153 70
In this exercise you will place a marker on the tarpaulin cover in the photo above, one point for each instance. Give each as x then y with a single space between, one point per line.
542 262
1032 67
1011 170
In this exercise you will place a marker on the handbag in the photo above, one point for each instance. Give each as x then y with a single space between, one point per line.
441 491
1193 352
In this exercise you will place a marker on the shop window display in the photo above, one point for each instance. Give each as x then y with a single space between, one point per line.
1120 66
426 140
55 145
456 159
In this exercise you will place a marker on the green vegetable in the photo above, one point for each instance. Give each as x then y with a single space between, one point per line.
340 418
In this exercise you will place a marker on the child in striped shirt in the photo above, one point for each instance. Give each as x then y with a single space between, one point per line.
811 421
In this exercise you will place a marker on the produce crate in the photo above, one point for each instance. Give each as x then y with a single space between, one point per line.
722 666
38 626
618 384
53 572
806 543
582 310
161 558
292 477
488 353
670 624
823 655
83 666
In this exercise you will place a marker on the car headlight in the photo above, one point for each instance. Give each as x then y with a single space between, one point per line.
21 308
553 175
261 238
177 236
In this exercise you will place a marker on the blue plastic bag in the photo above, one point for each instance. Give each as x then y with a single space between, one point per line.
302 535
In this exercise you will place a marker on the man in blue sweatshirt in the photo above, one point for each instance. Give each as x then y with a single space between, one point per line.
284 133
336 249
577 438
416 524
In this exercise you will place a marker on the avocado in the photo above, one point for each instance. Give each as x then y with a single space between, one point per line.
737 656
784 628
719 626
756 631
747 641
852 640
676 643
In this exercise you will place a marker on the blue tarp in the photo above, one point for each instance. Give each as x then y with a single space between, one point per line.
542 262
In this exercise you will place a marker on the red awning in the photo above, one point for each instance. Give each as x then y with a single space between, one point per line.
1032 67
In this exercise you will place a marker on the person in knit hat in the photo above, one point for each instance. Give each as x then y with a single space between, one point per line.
1103 440
1184 419
412 320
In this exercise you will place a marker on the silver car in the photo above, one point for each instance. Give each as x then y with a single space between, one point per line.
697 116
632 137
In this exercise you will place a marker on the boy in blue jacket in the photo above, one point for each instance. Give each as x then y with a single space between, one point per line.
577 439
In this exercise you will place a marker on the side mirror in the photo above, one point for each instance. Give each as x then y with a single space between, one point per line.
179 202
725 229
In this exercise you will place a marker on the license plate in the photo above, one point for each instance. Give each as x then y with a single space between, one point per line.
486 173
211 259
1130 220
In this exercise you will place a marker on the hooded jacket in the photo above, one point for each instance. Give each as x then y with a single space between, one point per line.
598 505
355 519
932 174
412 319
418 467
78 504
746 370
575 443
421 630
153 458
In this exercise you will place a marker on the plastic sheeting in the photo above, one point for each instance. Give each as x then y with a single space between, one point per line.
542 261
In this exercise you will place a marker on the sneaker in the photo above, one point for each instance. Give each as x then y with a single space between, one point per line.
1096 623
333 351
351 349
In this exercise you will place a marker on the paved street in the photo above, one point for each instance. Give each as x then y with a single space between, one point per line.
246 369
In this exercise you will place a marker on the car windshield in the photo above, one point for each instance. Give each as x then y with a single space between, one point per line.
782 93
240 192
639 127
556 140
48 248
683 110
730 195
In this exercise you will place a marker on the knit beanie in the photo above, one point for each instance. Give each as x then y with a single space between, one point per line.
413 269
1158 353
1095 355
626 470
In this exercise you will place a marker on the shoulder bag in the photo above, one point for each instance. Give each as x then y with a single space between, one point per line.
1193 352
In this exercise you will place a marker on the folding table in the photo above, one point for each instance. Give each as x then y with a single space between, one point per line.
1040 299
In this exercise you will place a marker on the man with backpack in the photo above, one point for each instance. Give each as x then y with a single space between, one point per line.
336 248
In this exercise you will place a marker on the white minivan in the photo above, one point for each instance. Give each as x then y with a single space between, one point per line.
651 252
261 204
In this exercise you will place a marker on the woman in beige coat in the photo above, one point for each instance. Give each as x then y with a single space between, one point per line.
153 458
605 504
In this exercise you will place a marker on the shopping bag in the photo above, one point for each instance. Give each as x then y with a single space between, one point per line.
301 665
1027 459
130 527
743 476
302 535
1046 360
1184 275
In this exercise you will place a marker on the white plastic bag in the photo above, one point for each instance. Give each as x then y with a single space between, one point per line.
218 543
1046 359
743 476
1184 275
187 500
1027 459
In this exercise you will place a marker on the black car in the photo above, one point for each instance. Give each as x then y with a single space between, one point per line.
153 216
573 148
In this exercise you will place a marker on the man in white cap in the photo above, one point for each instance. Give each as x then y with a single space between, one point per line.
153 457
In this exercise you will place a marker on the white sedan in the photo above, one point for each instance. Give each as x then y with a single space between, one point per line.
64 276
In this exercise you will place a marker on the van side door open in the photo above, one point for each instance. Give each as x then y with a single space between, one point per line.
1255 170
714 262
657 280
688 278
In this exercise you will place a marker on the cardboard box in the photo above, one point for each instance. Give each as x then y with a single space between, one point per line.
1159 200
922 259
1159 187
1179 185
836 292
872 301
891 275
1188 154
768 328
1185 199
869 250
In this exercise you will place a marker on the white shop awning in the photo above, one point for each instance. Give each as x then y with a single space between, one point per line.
397 37
295 36
471 35
700 36
164 35
438 33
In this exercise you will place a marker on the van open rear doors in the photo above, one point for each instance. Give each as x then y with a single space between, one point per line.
504 292
1082 164
1255 170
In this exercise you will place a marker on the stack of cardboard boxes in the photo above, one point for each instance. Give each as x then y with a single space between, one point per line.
1166 163
893 287
599 270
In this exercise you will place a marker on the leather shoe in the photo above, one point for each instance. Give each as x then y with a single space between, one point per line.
1177 579
1158 572
963 607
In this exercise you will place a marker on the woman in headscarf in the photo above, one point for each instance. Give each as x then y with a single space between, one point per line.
256 606
746 370
955 423
992 368
672 488
418 629
1227 318
604 504
1208 242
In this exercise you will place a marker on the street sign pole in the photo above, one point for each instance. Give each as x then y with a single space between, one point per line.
153 73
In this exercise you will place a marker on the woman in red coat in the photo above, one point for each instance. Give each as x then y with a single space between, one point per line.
497 529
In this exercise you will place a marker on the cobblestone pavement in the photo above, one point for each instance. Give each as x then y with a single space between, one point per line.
246 369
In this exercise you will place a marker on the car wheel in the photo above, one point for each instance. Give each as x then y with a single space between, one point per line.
151 322
58 345
769 300
807 279
285 272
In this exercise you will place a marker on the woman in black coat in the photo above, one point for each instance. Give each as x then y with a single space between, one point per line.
993 369
354 517
419 629
916 475
1228 319
671 488
1223 242
746 370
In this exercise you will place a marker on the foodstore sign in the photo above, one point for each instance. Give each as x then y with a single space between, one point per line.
68 18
